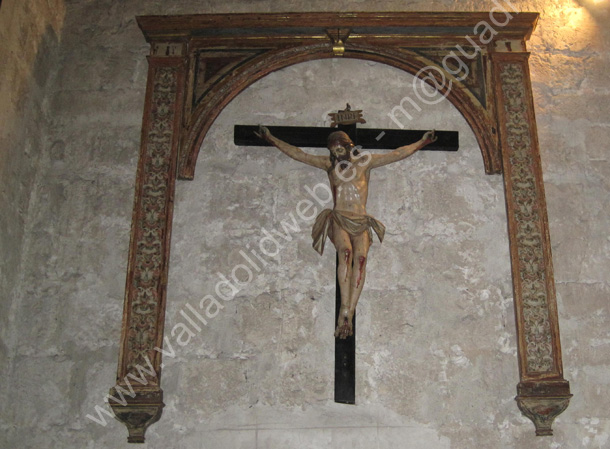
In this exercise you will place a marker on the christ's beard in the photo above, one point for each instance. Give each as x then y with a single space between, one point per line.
343 161
347 157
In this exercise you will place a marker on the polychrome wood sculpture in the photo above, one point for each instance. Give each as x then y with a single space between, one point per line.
347 225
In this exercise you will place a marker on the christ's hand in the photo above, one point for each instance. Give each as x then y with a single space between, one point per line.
263 132
429 136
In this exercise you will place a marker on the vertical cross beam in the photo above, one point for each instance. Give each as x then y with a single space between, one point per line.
345 357
345 349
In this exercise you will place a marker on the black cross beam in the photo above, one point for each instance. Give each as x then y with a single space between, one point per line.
365 138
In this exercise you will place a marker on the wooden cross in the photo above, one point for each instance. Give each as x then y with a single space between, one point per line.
365 138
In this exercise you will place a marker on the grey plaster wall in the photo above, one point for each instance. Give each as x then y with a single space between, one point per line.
29 40
436 355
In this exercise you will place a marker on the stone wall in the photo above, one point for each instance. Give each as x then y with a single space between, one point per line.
436 360
29 38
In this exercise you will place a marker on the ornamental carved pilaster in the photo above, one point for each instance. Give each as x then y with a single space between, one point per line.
139 396
542 392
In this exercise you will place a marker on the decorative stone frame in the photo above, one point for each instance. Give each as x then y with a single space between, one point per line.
199 63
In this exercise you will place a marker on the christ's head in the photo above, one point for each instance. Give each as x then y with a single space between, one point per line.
340 146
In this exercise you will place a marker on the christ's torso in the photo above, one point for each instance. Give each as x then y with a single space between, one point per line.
350 188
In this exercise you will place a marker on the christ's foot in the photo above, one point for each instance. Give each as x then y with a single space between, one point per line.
344 328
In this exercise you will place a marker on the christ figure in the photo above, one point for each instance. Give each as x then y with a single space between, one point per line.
347 225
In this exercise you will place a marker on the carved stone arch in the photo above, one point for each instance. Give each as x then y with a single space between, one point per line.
228 87
199 63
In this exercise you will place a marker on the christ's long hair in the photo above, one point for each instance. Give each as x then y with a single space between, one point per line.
341 138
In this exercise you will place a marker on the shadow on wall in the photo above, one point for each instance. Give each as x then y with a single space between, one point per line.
30 32
29 36
24 26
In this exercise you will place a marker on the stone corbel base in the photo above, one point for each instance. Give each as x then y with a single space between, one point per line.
139 412
542 402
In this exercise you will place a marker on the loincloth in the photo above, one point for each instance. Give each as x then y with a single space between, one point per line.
353 225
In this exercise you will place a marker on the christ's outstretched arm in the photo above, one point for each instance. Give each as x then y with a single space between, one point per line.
296 153
401 153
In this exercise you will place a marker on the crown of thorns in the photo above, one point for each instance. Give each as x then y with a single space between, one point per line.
338 137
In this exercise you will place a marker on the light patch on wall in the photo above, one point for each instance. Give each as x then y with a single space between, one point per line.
575 16
23 27
582 20
594 8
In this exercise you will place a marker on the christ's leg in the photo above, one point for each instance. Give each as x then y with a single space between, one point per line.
342 243
361 244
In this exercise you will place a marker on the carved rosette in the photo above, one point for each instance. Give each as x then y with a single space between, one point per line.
542 393
144 310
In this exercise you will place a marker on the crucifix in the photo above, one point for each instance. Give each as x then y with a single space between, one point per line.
347 225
